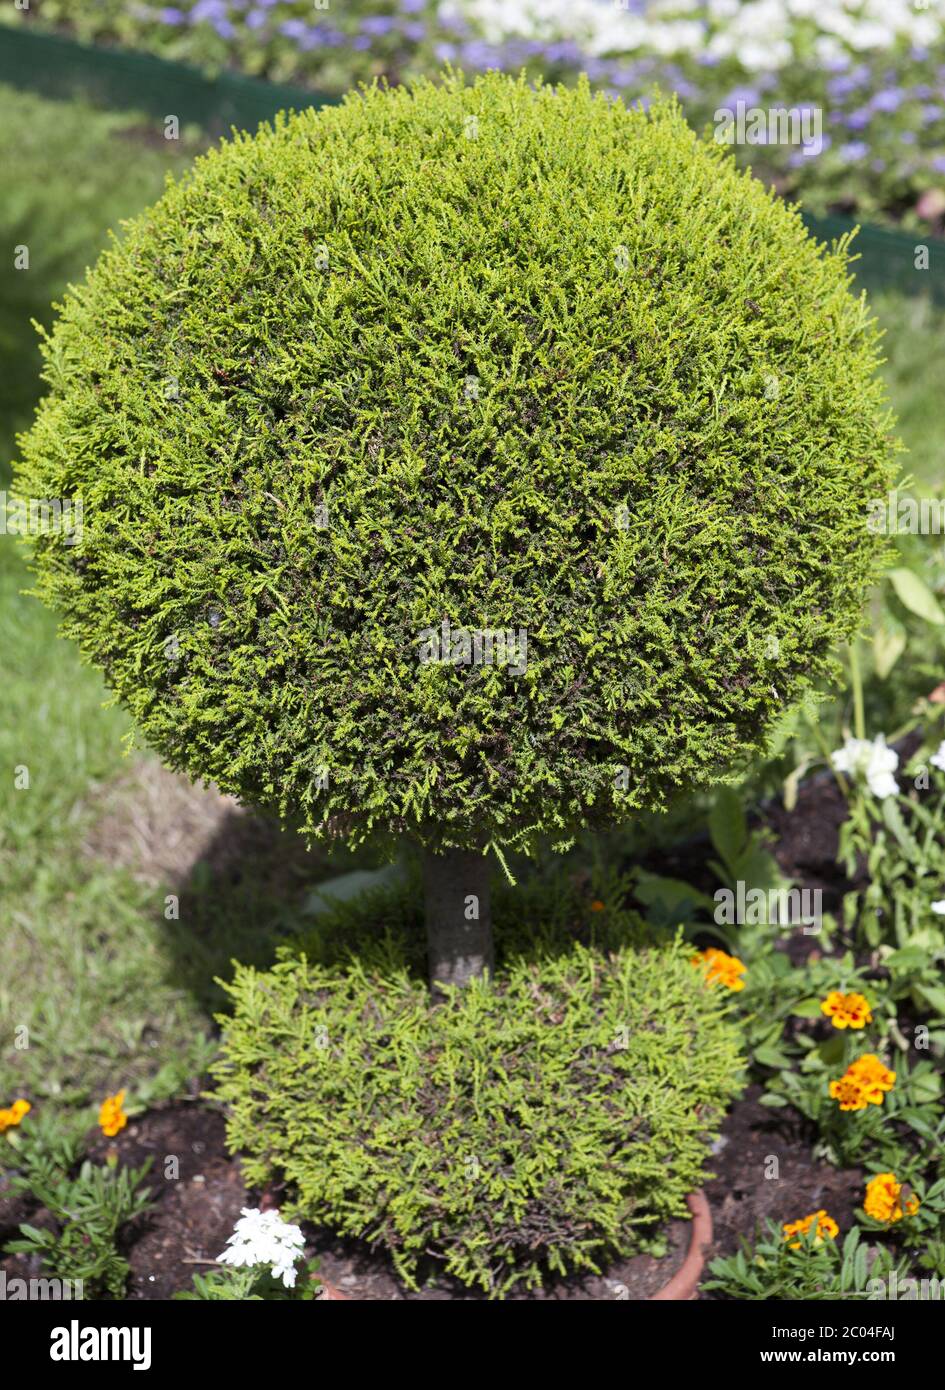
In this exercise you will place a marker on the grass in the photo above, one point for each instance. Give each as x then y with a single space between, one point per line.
110 991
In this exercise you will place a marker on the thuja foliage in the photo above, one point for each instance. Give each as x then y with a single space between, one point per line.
542 1121
492 356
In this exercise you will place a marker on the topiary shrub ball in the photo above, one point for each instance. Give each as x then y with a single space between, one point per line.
474 462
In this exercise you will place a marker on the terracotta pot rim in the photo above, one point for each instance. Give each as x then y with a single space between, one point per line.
685 1282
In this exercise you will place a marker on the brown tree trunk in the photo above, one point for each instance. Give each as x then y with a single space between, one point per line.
459 916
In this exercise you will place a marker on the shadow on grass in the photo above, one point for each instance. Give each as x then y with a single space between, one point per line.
242 898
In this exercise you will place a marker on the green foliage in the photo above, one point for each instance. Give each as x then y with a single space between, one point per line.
769 1268
542 1122
229 1285
88 1207
262 394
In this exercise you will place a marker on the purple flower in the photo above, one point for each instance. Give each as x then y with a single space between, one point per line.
444 52
171 16
412 6
908 137
854 152
623 77
887 101
596 69
938 164
477 54
256 19
878 165
565 52
361 43
840 87
224 28
292 28
749 95
208 9
931 113
377 24
414 31
859 119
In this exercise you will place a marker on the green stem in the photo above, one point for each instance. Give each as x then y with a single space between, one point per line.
841 781
856 678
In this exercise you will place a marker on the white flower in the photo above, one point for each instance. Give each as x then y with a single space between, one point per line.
938 759
263 1238
939 907
869 758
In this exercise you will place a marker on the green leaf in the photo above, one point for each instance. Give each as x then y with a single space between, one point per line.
771 1057
727 825
915 595
933 995
807 1008
888 647
917 1121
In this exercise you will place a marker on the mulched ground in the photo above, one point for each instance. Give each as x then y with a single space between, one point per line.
761 1162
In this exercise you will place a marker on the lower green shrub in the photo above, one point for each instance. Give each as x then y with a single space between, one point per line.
542 1122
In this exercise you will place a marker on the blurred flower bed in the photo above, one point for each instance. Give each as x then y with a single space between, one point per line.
875 69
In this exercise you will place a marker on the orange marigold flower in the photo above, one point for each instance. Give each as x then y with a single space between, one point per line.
827 1228
597 905
12 1117
874 1077
883 1201
864 1082
847 1010
720 968
848 1092
111 1116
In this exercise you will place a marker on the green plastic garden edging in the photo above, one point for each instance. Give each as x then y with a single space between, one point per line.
122 79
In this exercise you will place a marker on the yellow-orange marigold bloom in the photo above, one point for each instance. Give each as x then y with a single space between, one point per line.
597 905
111 1116
847 1010
874 1077
720 968
883 1201
12 1117
848 1092
827 1228
864 1082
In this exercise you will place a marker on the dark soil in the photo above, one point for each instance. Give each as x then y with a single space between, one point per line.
762 1162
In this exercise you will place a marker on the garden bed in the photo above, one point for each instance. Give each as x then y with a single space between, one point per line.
194 1214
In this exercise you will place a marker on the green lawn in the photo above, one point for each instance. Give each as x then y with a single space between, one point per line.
112 993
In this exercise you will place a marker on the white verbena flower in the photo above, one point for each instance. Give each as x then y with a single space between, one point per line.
869 758
939 907
263 1238
938 758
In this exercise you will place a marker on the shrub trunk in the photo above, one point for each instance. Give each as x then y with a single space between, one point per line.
459 916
